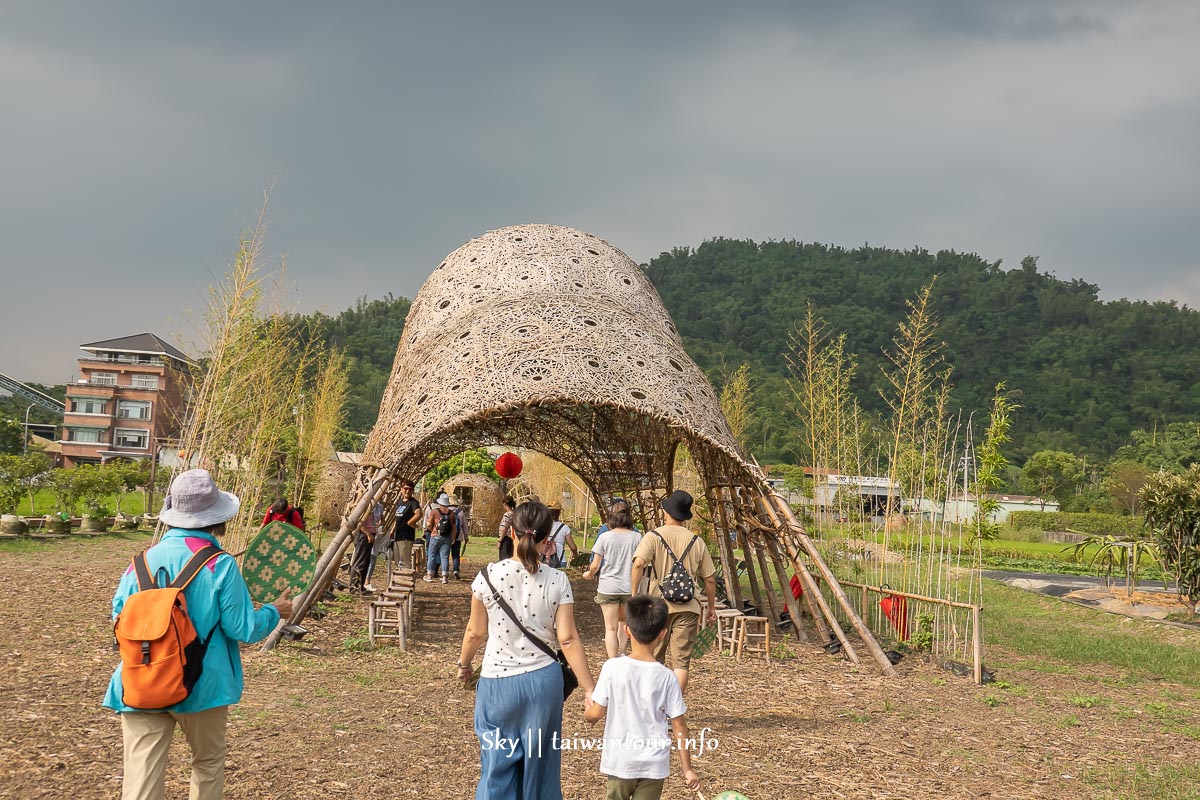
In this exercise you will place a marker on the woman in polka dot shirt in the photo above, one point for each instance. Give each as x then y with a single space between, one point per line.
518 702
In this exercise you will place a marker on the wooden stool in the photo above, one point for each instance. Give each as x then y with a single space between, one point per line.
386 620
725 629
418 557
753 636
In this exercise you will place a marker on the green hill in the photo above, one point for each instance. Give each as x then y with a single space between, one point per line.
1088 372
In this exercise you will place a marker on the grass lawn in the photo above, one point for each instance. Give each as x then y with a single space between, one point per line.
133 504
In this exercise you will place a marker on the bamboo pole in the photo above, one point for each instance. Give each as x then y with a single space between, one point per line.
732 590
896 593
827 575
977 643
748 560
772 603
789 598
327 565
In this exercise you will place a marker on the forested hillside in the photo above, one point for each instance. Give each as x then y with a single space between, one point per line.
1087 372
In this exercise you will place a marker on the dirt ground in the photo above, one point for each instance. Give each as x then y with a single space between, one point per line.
327 718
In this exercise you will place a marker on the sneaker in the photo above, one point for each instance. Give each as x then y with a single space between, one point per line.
444 579
456 575
368 588
428 578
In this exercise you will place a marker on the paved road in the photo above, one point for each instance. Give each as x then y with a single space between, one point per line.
1059 585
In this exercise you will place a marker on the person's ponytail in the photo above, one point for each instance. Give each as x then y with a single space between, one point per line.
531 522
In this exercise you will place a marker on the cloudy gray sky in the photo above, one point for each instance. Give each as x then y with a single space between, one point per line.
136 141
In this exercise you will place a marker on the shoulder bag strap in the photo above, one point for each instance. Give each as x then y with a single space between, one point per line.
545 648
196 563
688 548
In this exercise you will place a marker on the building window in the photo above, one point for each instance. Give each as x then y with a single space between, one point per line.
132 438
83 435
103 379
133 409
87 405
144 381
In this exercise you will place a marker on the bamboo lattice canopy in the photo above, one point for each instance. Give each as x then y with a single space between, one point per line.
549 338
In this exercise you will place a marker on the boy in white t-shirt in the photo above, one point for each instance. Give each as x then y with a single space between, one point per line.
640 696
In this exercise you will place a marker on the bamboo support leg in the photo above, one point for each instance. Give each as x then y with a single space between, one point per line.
789 598
839 594
814 610
769 591
732 589
331 559
748 559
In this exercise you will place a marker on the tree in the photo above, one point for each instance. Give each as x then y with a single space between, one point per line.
470 461
992 470
1052 474
10 487
126 476
737 401
64 486
31 472
12 436
1171 504
1123 480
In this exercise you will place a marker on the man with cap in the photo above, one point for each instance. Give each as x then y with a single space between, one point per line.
220 608
443 530
560 538
659 550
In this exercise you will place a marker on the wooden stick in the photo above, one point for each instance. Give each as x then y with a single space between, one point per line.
748 559
924 598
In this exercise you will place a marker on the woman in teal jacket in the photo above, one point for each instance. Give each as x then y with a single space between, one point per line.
220 608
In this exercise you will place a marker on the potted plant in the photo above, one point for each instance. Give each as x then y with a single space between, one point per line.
95 518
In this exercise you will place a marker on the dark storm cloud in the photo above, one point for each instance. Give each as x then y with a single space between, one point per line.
137 141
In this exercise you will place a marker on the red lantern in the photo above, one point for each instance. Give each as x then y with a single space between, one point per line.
508 466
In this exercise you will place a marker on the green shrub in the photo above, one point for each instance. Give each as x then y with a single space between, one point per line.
1077 521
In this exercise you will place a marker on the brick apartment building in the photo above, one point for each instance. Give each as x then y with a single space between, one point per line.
127 401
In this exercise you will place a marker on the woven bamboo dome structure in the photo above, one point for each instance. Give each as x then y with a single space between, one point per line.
483 499
548 338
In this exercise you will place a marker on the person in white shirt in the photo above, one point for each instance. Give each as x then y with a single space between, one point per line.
519 698
612 558
560 539
639 696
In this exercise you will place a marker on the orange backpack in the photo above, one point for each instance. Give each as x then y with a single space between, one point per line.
161 655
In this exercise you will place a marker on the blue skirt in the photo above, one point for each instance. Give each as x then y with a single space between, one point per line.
518 720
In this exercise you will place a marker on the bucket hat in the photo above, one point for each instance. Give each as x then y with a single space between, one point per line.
678 505
443 500
194 501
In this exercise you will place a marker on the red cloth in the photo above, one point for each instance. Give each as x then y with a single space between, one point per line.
290 515
896 610
797 588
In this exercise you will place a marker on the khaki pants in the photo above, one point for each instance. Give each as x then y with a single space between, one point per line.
402 554
682 627
634 788
148 739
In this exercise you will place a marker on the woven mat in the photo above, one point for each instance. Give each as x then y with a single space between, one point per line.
279 558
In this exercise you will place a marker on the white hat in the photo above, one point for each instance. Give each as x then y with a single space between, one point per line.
443 499
196 502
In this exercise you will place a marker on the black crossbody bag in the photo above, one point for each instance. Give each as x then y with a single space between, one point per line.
570 682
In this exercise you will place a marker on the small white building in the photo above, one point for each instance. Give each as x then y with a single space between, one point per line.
961 508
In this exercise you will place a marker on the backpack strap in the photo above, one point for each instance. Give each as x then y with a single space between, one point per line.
670 552
142 570
196 563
